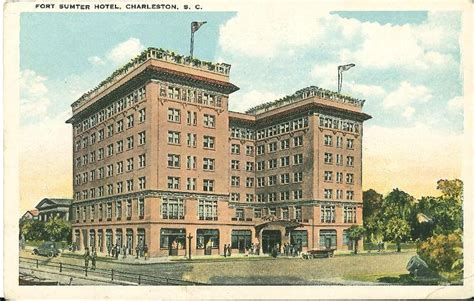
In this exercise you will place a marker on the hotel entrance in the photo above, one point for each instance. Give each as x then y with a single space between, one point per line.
270 238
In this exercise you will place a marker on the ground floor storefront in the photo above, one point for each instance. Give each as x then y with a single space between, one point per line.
165 239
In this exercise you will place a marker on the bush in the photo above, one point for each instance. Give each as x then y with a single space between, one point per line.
444 254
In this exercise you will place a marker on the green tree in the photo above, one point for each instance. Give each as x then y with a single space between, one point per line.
58 229
373 214
355 233
451 189
33 230
399 204
397 230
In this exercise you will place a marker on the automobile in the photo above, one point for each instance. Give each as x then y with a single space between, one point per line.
48 248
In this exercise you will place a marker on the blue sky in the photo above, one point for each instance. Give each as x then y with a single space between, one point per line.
407 68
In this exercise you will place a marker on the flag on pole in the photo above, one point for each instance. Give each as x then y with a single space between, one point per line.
345 67
341 69
196 25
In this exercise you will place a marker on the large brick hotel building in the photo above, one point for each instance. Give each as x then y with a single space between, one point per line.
158 156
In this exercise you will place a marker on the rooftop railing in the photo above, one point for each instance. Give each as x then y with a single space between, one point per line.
304 94
151 53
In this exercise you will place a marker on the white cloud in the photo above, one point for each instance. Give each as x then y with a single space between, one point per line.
33 94
408 112
95 60
120 54
367 91
456 104
407 94
251 99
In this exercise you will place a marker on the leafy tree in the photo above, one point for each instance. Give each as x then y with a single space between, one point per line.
397 230
58 229
373 214
398 204
444 254
355 233
33 230
451 189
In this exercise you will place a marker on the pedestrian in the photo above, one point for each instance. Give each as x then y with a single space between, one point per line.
86 257
125 252
229 250
145 251
93 259
225 250
137 250
117 251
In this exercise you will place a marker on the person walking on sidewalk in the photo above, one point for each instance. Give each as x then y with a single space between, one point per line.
93 259
145 251
86 258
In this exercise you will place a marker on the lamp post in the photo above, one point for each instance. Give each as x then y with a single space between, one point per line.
189 244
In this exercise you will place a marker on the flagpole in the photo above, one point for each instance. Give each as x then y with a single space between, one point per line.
192 42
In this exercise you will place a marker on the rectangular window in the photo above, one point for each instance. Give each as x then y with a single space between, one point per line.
174 239
172 208
285 214
249 182
141 208
119 146
328 140
249 198
141 138
130 164
235 197
100 154
208 185
328 158
249 166
272 147
235 181
328 193
339 159
191 184
191 118
129 185
260 165
130 121
285 144
297 159
260 197
339 142
142 115
284 196
130 142
109 210
119 187
110 170
257 212
350 143
207 210
142 183
208 164
118 209
260 149
174 160
272 163
110 150
174 137
101 135
298 177
328 176
209 121
141 160
192 140
298 194
350 161
209 142
350 178
272 180
328 214
174 115
284 161
272 197
235 149
260 181
339 177
173 182
297 141
249 150
235 164
285 178
338 194
350 214
349 194
110 130
191 162
119 126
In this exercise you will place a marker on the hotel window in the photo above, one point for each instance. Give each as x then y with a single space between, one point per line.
110 150
84 213
298 213
209 121
174 115
101 211
339 141
120 146
78 145
141 208
297 141
174 137
328 193
249 182
110 189
338 194
272 147
235 197
142 183
284 161
339 177
77 179
192 140
109 211
100 154
110 130
174 160
129 185
119 167
285 144
92 138
298 177
110 170
142 161
260 181
328 140
328 176
285 178
191 162
260 198
349 194
129 209
130 164
141 138
249 150
235 164
350 214
328 214
119 126
118 209
297 159
191 118
207 210
142 115
101 191
350 161
172 208
257 212
260 165
284 196
130 121
260 149
350 143
272 163
285 214
173 182
85 159
92 175
130 142
272 197
101 173
235 149
208 164
249 197
84 142
339 159
328 158
78 161
235 181
85 177
249 166
298 194
350 178
191 184
119 187
208 142
272 180
208 185
272 211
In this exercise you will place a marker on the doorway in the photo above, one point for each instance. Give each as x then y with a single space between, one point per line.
270 238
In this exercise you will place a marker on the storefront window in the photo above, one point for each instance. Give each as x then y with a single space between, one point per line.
327 239
241 239
207 238
173 239
299 237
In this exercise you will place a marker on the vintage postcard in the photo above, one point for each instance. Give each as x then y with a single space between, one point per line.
241 150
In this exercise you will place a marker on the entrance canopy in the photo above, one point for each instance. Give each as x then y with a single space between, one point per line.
278 224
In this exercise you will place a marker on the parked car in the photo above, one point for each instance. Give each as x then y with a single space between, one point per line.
48 248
